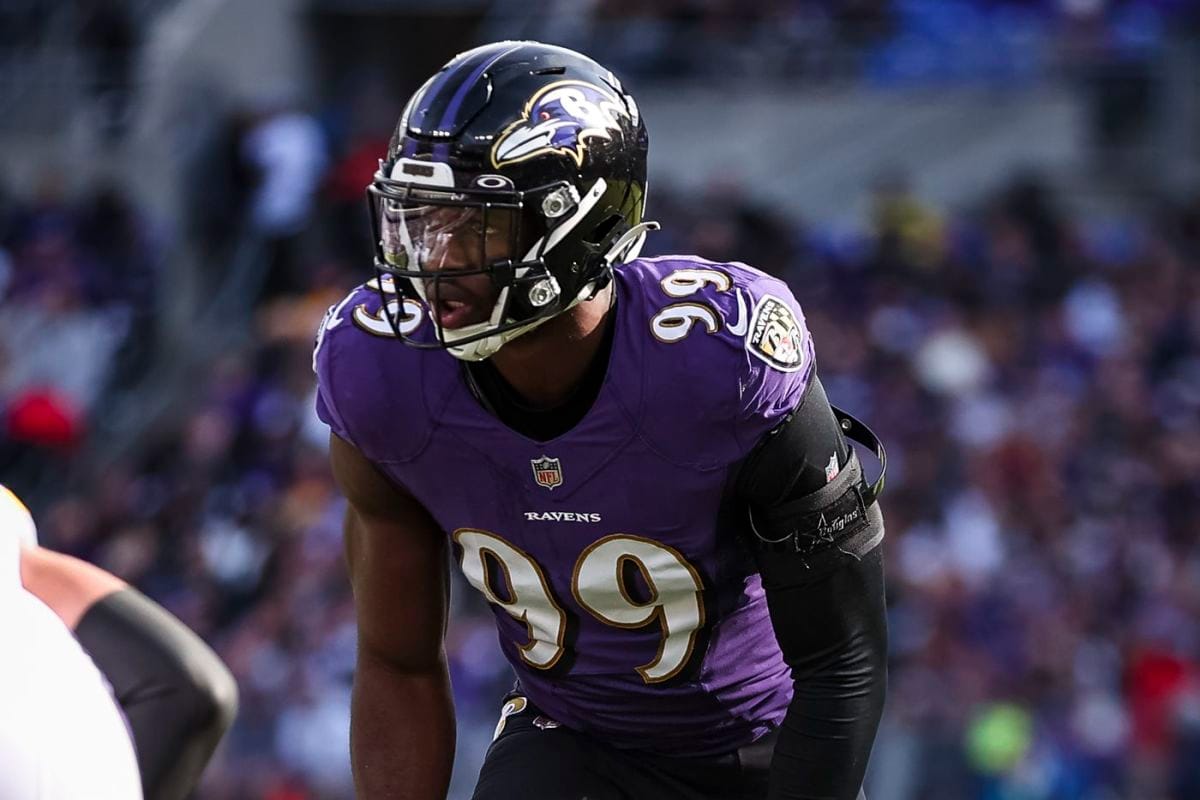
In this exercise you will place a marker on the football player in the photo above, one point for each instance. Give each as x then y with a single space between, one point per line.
61 734
633 460
171 698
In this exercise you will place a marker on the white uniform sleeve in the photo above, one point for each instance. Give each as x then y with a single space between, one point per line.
17 530
15 516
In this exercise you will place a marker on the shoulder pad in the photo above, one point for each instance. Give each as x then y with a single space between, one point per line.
727 348
368 383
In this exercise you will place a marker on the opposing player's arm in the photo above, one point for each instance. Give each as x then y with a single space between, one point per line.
177 695
402 713
817 543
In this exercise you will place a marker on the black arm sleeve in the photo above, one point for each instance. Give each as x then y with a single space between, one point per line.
833 634
177 695
827 607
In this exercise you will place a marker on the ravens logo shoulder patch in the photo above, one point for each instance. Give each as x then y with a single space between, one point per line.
775 336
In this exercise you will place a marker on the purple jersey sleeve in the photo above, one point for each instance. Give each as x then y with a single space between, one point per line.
323 367
779 360
728 347
366 381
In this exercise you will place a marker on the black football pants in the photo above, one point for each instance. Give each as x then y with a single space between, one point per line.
533 759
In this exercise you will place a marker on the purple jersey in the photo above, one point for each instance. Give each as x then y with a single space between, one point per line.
625 598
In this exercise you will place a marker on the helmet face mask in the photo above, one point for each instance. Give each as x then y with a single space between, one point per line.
483 247
515 206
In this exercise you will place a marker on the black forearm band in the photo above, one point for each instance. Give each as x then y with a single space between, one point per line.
833 515
806 496
177 695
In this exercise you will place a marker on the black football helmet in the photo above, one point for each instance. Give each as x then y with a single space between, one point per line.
515 179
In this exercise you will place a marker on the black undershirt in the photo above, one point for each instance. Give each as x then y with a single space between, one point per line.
540 424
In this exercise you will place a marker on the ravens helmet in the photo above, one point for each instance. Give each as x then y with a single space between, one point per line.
515 179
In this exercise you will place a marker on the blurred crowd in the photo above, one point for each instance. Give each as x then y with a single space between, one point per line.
78 276
1036 378
882 42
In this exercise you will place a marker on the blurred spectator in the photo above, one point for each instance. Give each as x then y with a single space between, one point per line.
286 154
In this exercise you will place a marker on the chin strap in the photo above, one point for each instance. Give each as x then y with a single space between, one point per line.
487 347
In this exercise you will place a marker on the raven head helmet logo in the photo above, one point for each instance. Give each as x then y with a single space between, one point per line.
561 118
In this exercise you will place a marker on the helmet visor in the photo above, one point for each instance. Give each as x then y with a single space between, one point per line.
418 237
450 253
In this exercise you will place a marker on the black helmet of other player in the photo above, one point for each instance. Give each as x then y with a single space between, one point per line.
515 179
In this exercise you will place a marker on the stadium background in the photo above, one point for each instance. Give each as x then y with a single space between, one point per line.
990 210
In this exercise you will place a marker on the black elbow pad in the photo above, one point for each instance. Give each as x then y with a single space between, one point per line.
177 695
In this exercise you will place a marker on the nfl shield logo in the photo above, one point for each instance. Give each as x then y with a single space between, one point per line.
547 471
